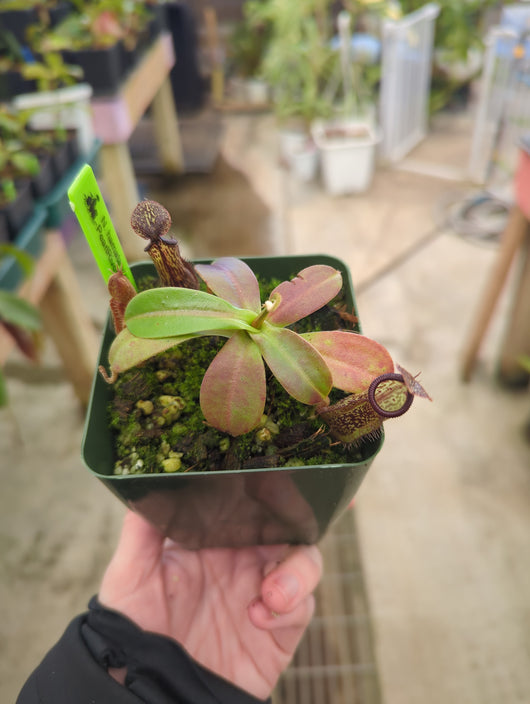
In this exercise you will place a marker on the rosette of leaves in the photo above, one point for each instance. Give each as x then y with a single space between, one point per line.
233 389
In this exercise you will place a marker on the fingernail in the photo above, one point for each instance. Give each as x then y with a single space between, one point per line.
288 585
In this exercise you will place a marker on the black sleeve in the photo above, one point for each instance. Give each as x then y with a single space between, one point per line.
159 670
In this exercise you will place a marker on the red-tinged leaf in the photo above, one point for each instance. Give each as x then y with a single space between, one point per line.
296 364
18 311
127 350
311 289
354 360
233 280
412 383
28 342
233 389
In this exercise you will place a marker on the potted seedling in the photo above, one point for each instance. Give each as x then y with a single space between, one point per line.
248 42
60 104
91 39
11 61
347 143
16 16
32 165
101 37
22 24
458 47
16 206
18 318
232 411
297 64
18 167
25 152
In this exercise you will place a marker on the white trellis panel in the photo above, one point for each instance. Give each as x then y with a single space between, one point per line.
503 108
407 49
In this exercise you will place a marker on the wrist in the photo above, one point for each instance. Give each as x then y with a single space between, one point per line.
118 673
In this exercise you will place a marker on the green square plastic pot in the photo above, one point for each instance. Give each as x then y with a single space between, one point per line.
230 508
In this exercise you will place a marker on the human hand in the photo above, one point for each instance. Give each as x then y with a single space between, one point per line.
239 612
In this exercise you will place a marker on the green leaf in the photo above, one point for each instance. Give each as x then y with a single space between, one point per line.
24 260
3 390
296 364
16 310
164 312
127 351
524 361
233 280
307 292
354 360
26 162
233 388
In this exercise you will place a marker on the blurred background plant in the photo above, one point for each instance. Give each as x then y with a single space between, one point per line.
458 46
20 319
99 24
16 158
299 54
297 61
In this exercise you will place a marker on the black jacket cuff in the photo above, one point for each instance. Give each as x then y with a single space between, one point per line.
159 670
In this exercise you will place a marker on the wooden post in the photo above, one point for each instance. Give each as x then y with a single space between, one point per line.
212 38
167 132
512 239
517 338
66 321
119 185
54 288
115 118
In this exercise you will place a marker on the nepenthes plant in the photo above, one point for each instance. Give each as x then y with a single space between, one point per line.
347 382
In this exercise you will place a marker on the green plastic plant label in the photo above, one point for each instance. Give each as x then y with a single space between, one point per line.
87 203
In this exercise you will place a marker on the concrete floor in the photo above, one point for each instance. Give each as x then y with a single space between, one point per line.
443 515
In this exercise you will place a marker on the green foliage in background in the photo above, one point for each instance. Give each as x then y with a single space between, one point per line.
17 316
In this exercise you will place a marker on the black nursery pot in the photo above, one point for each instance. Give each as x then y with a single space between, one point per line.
64 154
18 22
13 84
17 212
43 182
230 508
102 68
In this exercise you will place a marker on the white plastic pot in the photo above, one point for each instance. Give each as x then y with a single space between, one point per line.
347 155
304 162
291 141
67 107
257 92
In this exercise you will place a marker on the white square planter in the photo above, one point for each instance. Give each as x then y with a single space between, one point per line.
347 155
67 107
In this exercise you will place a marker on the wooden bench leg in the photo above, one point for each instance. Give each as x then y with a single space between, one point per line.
166 129
517 337
68 324
120 186
512 238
